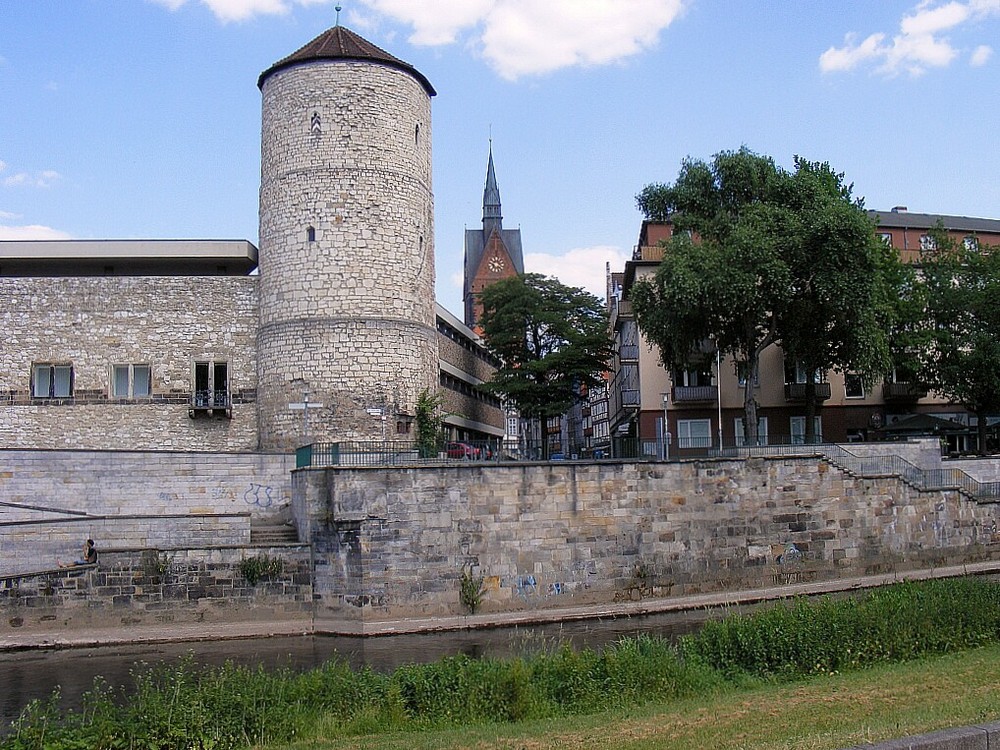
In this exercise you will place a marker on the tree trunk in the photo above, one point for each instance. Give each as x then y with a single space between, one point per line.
750 433
981 428
811 407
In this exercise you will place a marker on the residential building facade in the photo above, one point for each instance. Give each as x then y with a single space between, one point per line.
654 412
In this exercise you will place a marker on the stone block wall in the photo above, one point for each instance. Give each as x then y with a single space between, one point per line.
394 543
93 323
51 501
346 249
131 589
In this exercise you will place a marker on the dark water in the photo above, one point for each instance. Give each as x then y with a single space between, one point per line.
27 675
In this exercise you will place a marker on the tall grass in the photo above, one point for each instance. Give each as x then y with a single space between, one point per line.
179 705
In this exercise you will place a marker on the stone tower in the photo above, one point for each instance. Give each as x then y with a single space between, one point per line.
346 303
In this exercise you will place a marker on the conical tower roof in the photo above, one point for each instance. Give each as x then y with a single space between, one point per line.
340 43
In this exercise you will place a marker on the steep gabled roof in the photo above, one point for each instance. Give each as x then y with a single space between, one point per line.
340 43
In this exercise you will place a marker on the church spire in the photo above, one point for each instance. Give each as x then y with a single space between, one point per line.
492 219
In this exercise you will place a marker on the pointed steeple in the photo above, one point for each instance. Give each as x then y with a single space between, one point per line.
492 218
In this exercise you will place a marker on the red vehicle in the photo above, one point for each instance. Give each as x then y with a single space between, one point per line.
462 450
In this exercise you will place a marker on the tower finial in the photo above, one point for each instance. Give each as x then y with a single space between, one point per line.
338 9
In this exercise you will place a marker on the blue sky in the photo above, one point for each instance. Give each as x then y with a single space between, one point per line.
141 118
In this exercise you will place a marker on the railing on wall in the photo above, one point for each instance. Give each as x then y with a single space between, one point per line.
409 453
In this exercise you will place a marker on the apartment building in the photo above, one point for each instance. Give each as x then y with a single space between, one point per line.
685 411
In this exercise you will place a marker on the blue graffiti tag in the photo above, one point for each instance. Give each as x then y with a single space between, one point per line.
253 495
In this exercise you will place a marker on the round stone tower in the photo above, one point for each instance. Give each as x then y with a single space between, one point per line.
347 337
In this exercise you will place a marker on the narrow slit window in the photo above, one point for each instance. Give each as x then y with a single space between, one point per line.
310 234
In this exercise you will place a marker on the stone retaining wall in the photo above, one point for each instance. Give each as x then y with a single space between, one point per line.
145 588
394 543
51 501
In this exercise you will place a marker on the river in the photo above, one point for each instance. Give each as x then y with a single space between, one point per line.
34 674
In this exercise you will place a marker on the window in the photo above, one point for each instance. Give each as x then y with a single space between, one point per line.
741 375
927 243
795 372
211 384
131 381
694 433
512 430
854 385
886 237
971 244
798 429
52 381
692 378
761 431
310 234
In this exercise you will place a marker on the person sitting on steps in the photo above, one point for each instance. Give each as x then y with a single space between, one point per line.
89 556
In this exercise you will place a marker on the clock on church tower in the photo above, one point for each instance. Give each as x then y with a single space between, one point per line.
496 264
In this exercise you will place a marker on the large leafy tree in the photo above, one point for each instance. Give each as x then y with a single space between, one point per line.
762 256
960 358
550 339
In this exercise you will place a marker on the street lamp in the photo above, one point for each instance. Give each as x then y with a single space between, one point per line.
666 432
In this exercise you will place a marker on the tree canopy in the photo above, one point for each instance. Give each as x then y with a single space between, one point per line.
550 339
760 255
958 344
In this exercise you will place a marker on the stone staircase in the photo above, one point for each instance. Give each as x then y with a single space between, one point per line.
264 533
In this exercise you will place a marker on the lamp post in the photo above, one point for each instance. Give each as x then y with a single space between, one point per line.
718 389
666 432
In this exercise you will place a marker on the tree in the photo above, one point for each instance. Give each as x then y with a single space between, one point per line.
550 338
428 423
763 256
961 358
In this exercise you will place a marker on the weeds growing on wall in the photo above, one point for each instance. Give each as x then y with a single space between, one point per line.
181 706
260 567
471 590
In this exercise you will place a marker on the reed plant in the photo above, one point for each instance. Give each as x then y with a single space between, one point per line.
180 705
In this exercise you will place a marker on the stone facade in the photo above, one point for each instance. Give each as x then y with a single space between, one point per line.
346 248
94 323
393 543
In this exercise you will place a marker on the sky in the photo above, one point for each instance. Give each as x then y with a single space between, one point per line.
141 118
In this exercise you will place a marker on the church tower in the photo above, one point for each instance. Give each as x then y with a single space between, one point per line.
347 336
492 253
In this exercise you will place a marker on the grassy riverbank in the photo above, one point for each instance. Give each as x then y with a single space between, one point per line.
729 679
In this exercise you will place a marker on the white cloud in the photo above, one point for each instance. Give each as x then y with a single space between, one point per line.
42 179
528 37
241 10
30 232
584 267
981 55
919 45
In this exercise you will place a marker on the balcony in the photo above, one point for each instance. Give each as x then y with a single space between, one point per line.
648 252
797 391
693 394
904 391
628 353
210 403
630 397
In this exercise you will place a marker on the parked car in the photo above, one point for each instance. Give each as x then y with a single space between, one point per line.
462 450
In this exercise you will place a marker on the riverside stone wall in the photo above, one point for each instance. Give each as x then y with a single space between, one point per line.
392 544
51 501
139 588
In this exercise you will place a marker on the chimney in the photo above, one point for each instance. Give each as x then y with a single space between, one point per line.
899 209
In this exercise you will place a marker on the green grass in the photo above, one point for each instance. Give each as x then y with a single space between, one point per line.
822 712
738 669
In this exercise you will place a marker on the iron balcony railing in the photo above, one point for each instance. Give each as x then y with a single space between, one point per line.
902 392
797 391
686 394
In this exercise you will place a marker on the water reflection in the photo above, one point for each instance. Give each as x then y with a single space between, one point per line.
27 675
